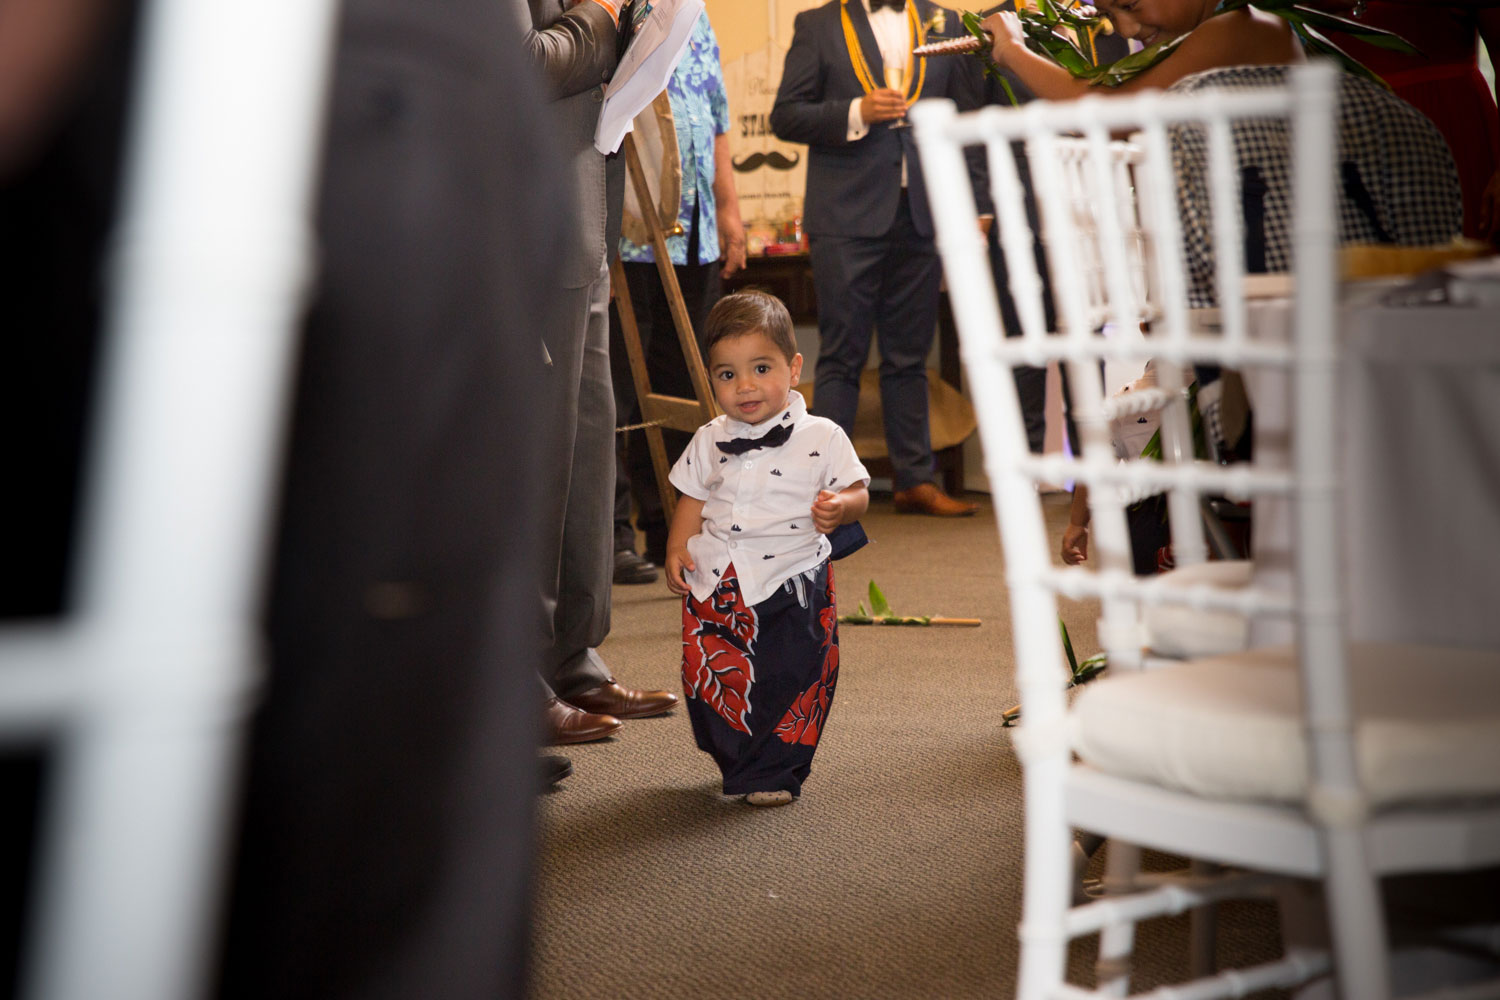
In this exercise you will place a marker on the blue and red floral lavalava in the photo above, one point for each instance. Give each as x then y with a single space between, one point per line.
718 637
803 722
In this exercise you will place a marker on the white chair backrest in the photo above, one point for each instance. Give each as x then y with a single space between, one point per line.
1174 340
1085 203
142 693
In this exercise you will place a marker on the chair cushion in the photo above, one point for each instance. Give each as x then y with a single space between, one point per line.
1183 632
1427 718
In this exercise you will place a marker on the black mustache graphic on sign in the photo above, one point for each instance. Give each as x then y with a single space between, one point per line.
773 159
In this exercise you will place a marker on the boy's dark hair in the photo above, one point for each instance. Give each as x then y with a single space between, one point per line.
750 311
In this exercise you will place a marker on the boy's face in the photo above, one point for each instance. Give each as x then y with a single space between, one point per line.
751 377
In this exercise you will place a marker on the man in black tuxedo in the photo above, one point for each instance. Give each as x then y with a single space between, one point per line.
866 214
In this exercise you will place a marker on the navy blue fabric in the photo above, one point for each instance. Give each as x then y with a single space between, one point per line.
847 539
760 679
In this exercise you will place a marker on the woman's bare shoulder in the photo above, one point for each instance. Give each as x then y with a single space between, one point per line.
1244 37
1238 38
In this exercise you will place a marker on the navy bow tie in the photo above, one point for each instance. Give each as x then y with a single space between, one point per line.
896 5
770 439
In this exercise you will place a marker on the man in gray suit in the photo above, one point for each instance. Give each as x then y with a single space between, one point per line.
575 46
387 832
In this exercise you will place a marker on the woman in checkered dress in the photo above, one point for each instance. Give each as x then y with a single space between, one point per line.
1397 182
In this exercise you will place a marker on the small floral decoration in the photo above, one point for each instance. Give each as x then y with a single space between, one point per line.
1080 673
938 22
881 614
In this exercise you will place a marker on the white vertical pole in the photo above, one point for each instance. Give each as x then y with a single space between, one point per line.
1041 740
1335 798
212 257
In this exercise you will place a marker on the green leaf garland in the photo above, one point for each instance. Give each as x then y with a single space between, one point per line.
1311 26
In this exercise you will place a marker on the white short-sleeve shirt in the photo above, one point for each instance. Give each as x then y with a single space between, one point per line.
757 507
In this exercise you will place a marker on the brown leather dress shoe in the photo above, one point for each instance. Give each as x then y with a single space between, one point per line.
624 702
926 498
566 724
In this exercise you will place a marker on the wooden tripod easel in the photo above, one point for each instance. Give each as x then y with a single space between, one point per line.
658 411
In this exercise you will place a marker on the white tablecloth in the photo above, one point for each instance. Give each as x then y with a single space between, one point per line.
1421 472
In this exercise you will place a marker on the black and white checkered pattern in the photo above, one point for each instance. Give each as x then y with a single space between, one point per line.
1400 157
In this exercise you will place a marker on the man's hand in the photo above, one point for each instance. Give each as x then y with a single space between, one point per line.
727 209
827 511
678 560
882 105
731 243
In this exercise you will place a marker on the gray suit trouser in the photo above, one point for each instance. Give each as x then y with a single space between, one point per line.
578 495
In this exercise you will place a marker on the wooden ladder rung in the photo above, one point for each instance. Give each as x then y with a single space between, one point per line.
674 412
657 410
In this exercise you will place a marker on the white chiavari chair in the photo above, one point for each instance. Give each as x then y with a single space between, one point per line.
1323 760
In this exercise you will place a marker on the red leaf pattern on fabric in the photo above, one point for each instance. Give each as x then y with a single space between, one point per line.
803 722
718 636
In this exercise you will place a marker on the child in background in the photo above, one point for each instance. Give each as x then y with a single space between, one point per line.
763 486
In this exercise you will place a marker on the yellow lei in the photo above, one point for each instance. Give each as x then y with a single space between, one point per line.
862 68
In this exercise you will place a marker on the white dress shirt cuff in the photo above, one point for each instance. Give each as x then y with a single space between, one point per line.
857 127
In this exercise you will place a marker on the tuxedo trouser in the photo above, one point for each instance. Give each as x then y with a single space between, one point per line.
891 282
1031 381
577 517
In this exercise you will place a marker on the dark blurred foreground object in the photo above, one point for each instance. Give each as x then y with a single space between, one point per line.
387 839
64 80
554 769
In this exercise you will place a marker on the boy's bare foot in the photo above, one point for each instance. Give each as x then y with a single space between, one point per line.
780 797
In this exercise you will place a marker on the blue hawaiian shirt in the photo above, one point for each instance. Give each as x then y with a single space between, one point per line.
700 110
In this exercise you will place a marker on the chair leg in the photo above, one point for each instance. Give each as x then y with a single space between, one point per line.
1117 941
1356 918
1203 927
1048 888
1085 846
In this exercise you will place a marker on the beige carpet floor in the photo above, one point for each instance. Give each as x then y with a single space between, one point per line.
898 872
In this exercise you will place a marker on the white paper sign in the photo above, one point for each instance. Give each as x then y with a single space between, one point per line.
769 174
662 31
